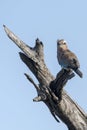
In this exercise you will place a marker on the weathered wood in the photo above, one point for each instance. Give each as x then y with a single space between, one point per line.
50 89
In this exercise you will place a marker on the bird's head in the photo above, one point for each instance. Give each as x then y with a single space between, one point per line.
62 44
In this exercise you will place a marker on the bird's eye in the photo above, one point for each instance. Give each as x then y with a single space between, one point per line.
64 43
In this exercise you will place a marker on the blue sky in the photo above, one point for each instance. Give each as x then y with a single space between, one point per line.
49 21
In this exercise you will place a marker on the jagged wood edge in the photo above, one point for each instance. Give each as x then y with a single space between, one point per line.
66 109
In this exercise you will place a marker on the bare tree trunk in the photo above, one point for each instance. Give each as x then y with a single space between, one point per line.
50 89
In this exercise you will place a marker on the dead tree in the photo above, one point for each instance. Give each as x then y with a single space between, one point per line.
50 89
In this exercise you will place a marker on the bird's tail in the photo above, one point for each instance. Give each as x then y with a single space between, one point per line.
79 73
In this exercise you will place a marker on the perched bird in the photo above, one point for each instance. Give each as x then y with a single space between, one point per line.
66 58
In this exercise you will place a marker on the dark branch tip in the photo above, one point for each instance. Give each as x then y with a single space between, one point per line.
21 54
4 26
39 42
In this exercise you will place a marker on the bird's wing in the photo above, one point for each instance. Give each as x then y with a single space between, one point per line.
69 59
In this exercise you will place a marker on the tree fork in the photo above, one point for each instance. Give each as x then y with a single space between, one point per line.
50 89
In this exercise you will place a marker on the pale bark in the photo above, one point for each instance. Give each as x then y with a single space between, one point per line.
50 89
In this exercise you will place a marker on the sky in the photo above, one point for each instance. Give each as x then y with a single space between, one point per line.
48 20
